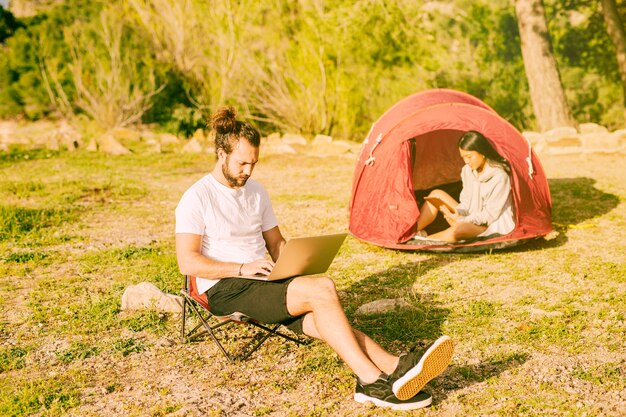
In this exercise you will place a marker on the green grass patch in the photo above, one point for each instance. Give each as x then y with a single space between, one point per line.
12 358
480 309
22 257
126 346
519 318
81 313
77 351
609 375
155 263
17 222
44 396
146 320
564 331
17 154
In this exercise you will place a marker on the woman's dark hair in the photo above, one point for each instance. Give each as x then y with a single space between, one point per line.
228 130
475 141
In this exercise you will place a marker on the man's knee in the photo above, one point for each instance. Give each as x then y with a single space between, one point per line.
312 289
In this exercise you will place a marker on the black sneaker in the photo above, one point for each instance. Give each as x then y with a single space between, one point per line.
416 369
379 392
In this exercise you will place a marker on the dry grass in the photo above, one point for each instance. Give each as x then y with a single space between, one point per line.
540 330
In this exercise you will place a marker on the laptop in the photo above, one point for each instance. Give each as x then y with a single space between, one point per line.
304 256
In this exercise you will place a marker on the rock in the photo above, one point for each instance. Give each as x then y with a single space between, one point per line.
338 147
293 139
601 142
563 140
273 144
124 134
562 136
199 136
621 134
586 128
146 295
534 138
272 138
108 144
65 136
168 139
383 306
7 131
148 135
93 145
322 139
52 143
193 146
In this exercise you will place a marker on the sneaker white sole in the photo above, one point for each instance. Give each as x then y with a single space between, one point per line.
435 361
362 398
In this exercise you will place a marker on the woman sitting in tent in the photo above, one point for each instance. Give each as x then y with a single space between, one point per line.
486 206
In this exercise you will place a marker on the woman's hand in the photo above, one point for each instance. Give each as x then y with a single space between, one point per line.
451 217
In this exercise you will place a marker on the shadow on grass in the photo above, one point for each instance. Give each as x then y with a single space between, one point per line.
411 326
460 377
575 200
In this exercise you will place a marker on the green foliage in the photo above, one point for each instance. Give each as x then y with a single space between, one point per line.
587 60
8 24
310 67
39 42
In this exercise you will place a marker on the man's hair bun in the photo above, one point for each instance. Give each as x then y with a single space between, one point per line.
224 121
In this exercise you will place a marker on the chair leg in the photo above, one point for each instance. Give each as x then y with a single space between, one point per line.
248 350
182 333
274 331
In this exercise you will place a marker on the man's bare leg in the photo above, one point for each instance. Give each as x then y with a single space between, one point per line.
325 319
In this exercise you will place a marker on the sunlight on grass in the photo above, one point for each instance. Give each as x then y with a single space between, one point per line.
50 396
18 222
78 229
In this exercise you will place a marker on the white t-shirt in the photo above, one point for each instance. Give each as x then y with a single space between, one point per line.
231 221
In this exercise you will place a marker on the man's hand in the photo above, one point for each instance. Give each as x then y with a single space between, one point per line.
451 218
259 267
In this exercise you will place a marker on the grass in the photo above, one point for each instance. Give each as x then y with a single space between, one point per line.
539 329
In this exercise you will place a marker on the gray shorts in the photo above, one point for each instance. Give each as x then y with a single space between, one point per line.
261 300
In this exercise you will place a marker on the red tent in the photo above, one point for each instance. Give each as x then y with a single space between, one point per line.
412 148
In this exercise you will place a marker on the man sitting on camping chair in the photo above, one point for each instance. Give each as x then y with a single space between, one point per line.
224 225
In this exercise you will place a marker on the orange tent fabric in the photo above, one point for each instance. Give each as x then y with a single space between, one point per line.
413 146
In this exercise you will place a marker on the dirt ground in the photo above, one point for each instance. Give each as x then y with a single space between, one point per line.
572 370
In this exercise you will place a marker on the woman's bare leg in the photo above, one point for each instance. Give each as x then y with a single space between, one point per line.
429 211
459 231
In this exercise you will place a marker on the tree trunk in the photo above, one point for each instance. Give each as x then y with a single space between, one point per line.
617 33
544 81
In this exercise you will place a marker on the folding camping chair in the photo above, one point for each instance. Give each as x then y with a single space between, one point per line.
195 303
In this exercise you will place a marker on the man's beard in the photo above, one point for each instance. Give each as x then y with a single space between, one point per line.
234 181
